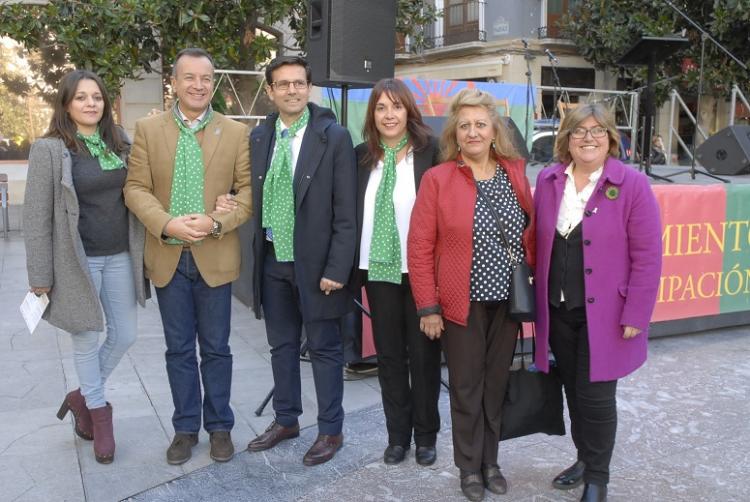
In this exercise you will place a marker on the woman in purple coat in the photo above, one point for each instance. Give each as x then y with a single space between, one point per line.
598 263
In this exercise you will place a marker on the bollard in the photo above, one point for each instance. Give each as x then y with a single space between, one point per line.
4 202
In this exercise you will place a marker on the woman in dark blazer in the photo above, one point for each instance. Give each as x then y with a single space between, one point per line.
597 274
397 150
83 248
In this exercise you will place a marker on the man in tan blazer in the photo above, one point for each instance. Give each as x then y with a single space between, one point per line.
180 162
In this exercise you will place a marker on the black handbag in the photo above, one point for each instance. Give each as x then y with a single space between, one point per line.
521 296
533 400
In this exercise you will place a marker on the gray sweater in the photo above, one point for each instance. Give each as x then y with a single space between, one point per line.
54 252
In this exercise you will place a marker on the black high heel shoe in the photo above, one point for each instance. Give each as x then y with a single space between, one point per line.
594 493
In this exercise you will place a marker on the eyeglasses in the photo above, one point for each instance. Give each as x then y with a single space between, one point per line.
283 85
596 132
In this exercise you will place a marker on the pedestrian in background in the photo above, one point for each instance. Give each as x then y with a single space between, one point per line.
599 259
460 274
83 248
397 150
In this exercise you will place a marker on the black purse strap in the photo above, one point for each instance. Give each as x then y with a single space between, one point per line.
496 215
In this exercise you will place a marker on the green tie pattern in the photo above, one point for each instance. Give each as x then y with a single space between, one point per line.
187 180
385 246
278 192
108 160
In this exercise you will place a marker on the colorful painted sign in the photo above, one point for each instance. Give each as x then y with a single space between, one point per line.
706 250
433 98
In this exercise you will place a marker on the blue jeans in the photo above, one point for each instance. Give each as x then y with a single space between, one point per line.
113 278
190 307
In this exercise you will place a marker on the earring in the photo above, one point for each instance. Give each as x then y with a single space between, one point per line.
459 148
493 144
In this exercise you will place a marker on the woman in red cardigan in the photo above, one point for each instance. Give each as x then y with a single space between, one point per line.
460 272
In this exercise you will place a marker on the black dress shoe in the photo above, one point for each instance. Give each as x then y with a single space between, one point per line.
426 455
472 485
395 454
570 478
494 480
594 493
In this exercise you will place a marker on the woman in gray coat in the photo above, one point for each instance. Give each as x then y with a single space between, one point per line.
83 248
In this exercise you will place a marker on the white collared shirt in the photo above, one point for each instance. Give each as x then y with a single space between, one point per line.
192 124
296 146
404 195
573 202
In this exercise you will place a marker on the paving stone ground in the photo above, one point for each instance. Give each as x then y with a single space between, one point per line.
683 431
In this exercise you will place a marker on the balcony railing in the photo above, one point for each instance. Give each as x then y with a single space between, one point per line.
456 38
549 32
464 22
458 23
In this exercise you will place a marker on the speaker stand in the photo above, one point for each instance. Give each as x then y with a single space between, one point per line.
647 52
694 170
527 56
344 105
555 109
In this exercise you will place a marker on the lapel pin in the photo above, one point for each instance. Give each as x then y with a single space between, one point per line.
612 192
595 210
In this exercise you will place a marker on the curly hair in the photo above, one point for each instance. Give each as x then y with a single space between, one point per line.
474 97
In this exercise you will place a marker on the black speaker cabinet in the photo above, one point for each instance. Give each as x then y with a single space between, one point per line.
727 152
351 42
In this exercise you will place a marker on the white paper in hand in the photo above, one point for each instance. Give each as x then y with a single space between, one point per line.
32 309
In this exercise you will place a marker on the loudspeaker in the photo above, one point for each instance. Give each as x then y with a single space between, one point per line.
727 152
351 42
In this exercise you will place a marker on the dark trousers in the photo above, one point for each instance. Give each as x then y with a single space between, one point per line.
189 306
479 356
281 309
592 405
408 365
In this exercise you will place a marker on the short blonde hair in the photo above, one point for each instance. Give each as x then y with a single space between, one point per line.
474 97
573 119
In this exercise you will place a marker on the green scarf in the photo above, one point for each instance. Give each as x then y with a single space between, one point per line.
187 179
278 192
385 247
108 160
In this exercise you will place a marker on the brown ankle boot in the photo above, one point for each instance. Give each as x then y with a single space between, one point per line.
75 403
104 439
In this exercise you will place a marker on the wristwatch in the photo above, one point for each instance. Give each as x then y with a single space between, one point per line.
216 229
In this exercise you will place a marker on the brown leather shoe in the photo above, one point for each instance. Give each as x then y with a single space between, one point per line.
180 450
104 439
323 449
274 434
76 404
222 449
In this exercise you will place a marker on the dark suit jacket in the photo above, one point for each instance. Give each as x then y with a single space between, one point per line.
423 160
325 228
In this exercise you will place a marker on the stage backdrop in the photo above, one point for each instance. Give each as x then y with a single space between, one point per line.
706 250
433 99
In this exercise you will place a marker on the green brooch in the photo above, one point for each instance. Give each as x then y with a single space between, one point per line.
612 192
